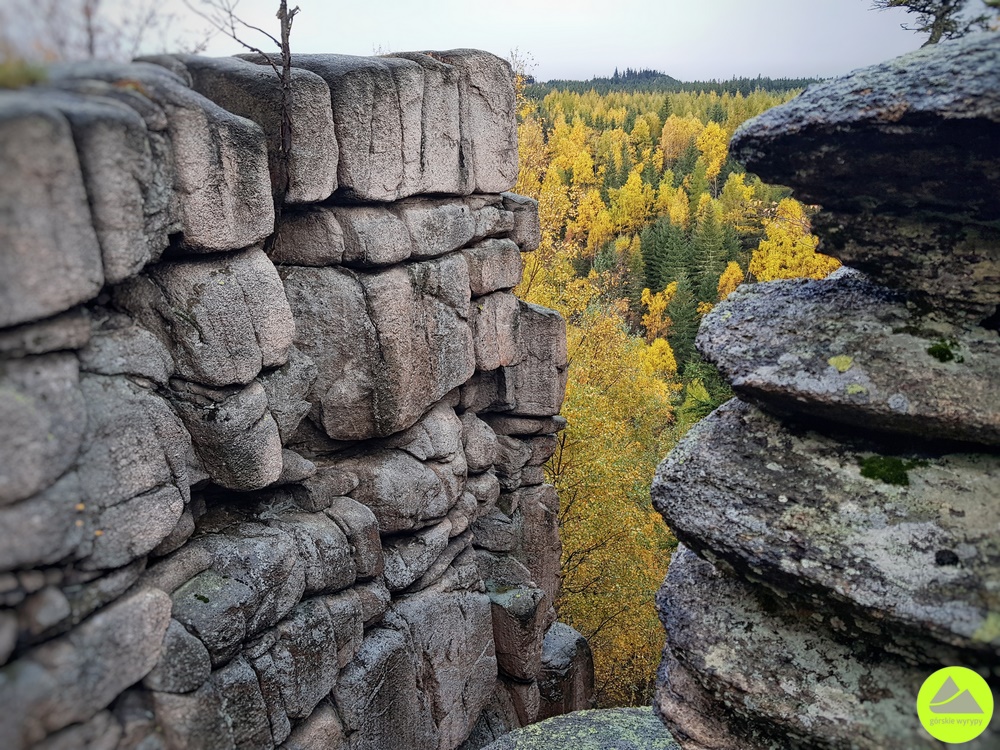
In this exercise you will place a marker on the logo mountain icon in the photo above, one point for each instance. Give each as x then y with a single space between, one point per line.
951 699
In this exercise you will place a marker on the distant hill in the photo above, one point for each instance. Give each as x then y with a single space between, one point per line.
658 81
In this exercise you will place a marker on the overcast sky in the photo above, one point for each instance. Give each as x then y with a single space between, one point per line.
688 39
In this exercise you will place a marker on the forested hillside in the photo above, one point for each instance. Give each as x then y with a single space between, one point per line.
656 81
646 223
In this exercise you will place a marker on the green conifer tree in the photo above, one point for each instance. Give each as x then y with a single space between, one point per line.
666 109
698 184
676 258
686 162
708 240
717 113
683 312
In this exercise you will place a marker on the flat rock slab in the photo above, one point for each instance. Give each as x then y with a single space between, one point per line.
920 131
848 350
607 729
784 677
452 641
42 422
223 318
793 507
566 682
486 95
69 679
380 696
129 196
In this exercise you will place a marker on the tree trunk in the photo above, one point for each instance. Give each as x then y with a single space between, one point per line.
286 17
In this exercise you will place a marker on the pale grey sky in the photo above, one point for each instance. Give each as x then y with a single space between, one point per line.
688 39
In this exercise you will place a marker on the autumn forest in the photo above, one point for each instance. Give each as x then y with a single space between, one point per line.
646 224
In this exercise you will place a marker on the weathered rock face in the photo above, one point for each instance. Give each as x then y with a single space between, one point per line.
841 528
243 503
254 92
611 728
567 677
885 367
920 215
735 644
52 258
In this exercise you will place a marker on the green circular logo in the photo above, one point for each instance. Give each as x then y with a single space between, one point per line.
955 705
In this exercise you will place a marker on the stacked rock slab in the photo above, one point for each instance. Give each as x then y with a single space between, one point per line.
264 485
840 517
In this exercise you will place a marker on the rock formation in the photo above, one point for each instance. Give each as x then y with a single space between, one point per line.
605 729
839 518
273 484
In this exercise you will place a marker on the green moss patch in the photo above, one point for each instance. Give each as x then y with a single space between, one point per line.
945 350
889 469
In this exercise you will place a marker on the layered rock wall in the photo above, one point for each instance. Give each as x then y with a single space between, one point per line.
272 483
841 517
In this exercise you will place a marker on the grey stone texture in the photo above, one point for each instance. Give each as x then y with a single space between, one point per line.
233 433
254 91
251 476
184 663
606 729
527 232
566 682
386 345
892 369
117 346
449 630
70 679
838 526
412 123
52 258
129 199
799 680
379 696
914 557
43 424
520 618
538 546
219 160
68 331
539 380
222 318
924 126
487 104
494 264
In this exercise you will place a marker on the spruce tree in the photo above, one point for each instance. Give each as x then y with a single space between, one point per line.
686 161
733 247
683 313
676 258
708 242
666 109
697 185
666 253
650 175
651 242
